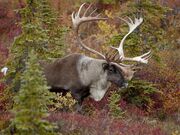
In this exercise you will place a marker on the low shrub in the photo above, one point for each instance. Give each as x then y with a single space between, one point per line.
165 76
140 93
61 102
101 124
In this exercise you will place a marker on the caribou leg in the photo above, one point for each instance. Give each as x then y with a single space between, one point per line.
80 95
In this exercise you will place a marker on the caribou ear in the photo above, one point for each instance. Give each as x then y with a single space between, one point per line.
105 66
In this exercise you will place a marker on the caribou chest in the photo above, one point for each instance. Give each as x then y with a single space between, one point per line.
92 74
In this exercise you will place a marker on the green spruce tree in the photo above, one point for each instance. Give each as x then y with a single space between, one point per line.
25 77
55 32
139 93
31 102
114 108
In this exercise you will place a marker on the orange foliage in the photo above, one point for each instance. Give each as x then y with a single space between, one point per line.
171 102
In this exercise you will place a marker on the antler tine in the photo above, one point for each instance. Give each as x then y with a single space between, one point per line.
77 21
132 26
142 58
87 9
148 54
98 15
131 21
93 12
115 58
108 56
112 56
79 11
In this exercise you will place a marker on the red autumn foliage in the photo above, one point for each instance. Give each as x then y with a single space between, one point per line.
100 123
165 77
8 28
2 101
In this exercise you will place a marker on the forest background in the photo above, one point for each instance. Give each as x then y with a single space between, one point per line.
32 30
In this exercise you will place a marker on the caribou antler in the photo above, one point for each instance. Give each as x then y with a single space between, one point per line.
78 20
132 26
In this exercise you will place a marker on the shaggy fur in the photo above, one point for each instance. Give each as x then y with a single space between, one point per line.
82 75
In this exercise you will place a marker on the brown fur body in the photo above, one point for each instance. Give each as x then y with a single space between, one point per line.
83 76
63 73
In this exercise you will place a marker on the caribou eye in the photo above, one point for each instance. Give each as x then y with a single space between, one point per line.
112 69
105 66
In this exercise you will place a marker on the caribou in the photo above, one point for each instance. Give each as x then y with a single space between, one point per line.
86 76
